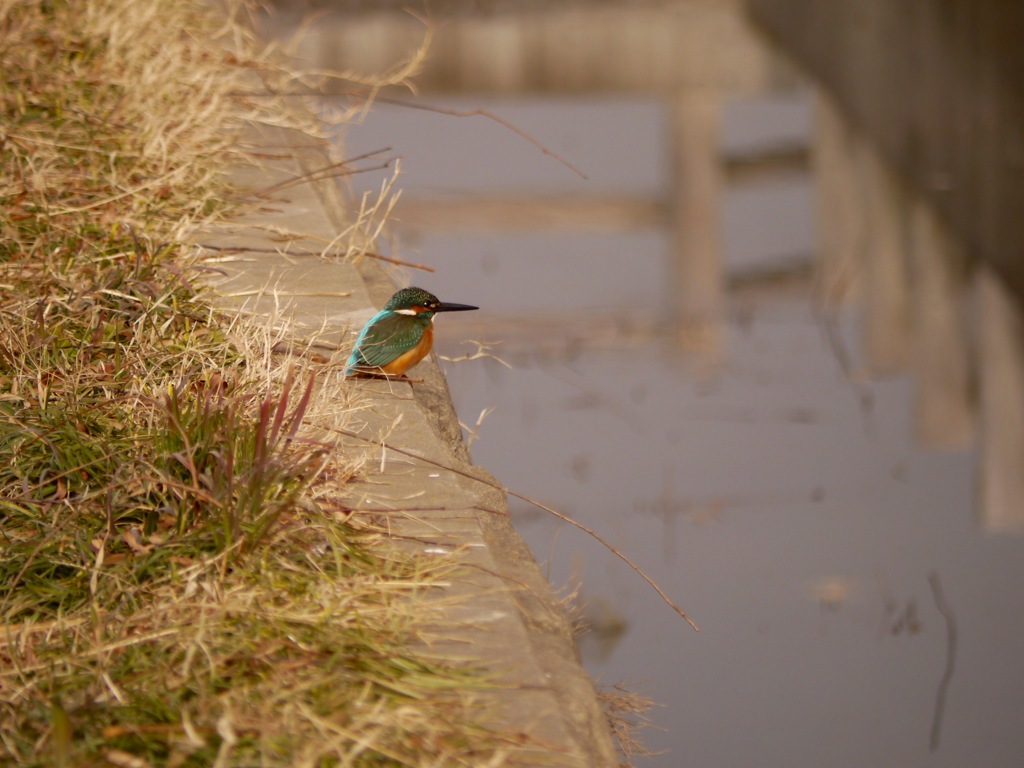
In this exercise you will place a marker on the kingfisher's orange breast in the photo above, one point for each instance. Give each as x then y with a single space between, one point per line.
408 359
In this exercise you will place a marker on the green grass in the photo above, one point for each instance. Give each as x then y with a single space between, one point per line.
176 586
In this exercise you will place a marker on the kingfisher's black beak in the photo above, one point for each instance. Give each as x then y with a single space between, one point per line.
445 306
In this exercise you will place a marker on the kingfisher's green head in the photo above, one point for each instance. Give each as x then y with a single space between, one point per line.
418 302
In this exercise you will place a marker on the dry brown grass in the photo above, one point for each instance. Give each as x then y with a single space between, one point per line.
176 586
626 712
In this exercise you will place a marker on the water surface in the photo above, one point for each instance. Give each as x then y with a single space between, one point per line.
781 500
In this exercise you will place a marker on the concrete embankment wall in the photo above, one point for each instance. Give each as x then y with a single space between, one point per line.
497 612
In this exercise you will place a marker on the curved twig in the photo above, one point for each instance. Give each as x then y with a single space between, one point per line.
544 507
947 675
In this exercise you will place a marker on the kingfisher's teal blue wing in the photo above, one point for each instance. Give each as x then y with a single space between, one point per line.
387 336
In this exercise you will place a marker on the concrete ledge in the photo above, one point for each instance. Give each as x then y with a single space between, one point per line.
499 612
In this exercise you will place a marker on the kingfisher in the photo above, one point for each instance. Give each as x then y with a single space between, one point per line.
398 336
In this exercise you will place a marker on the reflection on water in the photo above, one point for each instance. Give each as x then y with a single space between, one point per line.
793 518
796 528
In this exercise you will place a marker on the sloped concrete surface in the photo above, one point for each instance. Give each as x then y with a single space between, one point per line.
498 610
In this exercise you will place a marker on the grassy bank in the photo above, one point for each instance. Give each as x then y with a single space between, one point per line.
177 587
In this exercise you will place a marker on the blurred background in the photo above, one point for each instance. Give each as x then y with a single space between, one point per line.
750 278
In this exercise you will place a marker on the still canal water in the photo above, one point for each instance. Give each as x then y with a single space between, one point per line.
780 498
